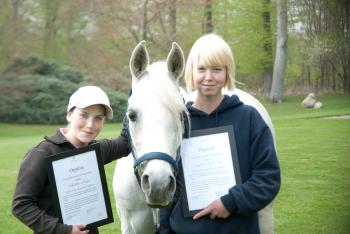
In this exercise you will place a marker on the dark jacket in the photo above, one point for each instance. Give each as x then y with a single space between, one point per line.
32 202
259 169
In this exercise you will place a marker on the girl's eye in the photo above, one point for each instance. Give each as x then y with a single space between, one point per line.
201 69
84 115
99 118
217 69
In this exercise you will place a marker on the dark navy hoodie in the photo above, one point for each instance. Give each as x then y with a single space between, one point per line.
259 170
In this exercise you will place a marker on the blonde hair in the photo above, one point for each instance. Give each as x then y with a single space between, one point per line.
214 51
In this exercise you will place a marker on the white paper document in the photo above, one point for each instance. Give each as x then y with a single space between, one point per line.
79 189
208 168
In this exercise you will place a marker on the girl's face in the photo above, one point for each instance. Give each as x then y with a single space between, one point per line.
85 124
209 80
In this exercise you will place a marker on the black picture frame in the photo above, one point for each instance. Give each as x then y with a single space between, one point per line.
203 132
95 189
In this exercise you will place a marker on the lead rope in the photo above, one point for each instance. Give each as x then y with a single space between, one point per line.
155 211
156 221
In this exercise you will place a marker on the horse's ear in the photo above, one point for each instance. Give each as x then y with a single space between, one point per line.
139 59
176 61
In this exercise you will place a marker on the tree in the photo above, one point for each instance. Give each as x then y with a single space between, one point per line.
172 19
267 49
144 20
51 10
12 29
207 20
324 35
276 94
98 35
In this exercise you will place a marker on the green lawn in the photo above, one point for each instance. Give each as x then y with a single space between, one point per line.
314 155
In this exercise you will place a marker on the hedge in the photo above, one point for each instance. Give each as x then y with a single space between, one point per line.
35 91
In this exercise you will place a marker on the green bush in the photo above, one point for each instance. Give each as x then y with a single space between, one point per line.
36 65
118 103
34 99
33 91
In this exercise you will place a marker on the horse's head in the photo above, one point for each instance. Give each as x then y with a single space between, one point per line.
155 115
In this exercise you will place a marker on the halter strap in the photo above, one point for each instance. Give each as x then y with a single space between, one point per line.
149 156
156 155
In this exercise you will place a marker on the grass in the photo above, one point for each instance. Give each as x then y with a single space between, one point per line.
314 155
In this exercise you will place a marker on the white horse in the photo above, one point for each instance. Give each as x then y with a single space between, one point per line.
155 115
155 110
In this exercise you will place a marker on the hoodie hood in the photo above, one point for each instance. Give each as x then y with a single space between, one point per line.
221 115
229 102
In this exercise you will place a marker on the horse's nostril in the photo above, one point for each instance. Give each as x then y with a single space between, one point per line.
145 183
172 185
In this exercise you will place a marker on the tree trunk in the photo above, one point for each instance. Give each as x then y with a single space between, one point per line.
309 83
322 75
51 12
346 88
334 85
144 21
267 48
172 19
14 31
208 23
276 94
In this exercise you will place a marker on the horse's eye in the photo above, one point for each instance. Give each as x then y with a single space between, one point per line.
132 115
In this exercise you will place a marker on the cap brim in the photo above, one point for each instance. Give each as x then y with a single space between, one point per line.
109 111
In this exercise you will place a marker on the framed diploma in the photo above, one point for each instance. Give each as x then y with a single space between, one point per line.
79 187
209 167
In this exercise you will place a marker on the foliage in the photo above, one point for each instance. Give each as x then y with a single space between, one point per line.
118 102
323 30
34 99
241 25
92 36
99 35
37 91
36 65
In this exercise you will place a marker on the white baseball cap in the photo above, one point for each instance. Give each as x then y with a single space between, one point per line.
88 96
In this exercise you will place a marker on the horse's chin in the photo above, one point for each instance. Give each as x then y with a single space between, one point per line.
156 203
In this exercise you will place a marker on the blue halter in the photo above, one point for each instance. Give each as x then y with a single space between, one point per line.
150 156
156 155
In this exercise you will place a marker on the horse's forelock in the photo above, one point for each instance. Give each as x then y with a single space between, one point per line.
168 90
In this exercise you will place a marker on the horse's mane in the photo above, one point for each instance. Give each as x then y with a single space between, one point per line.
168 90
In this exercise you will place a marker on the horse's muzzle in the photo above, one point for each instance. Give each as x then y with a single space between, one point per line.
159 190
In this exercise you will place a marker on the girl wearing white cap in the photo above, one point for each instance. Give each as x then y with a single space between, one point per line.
32 202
